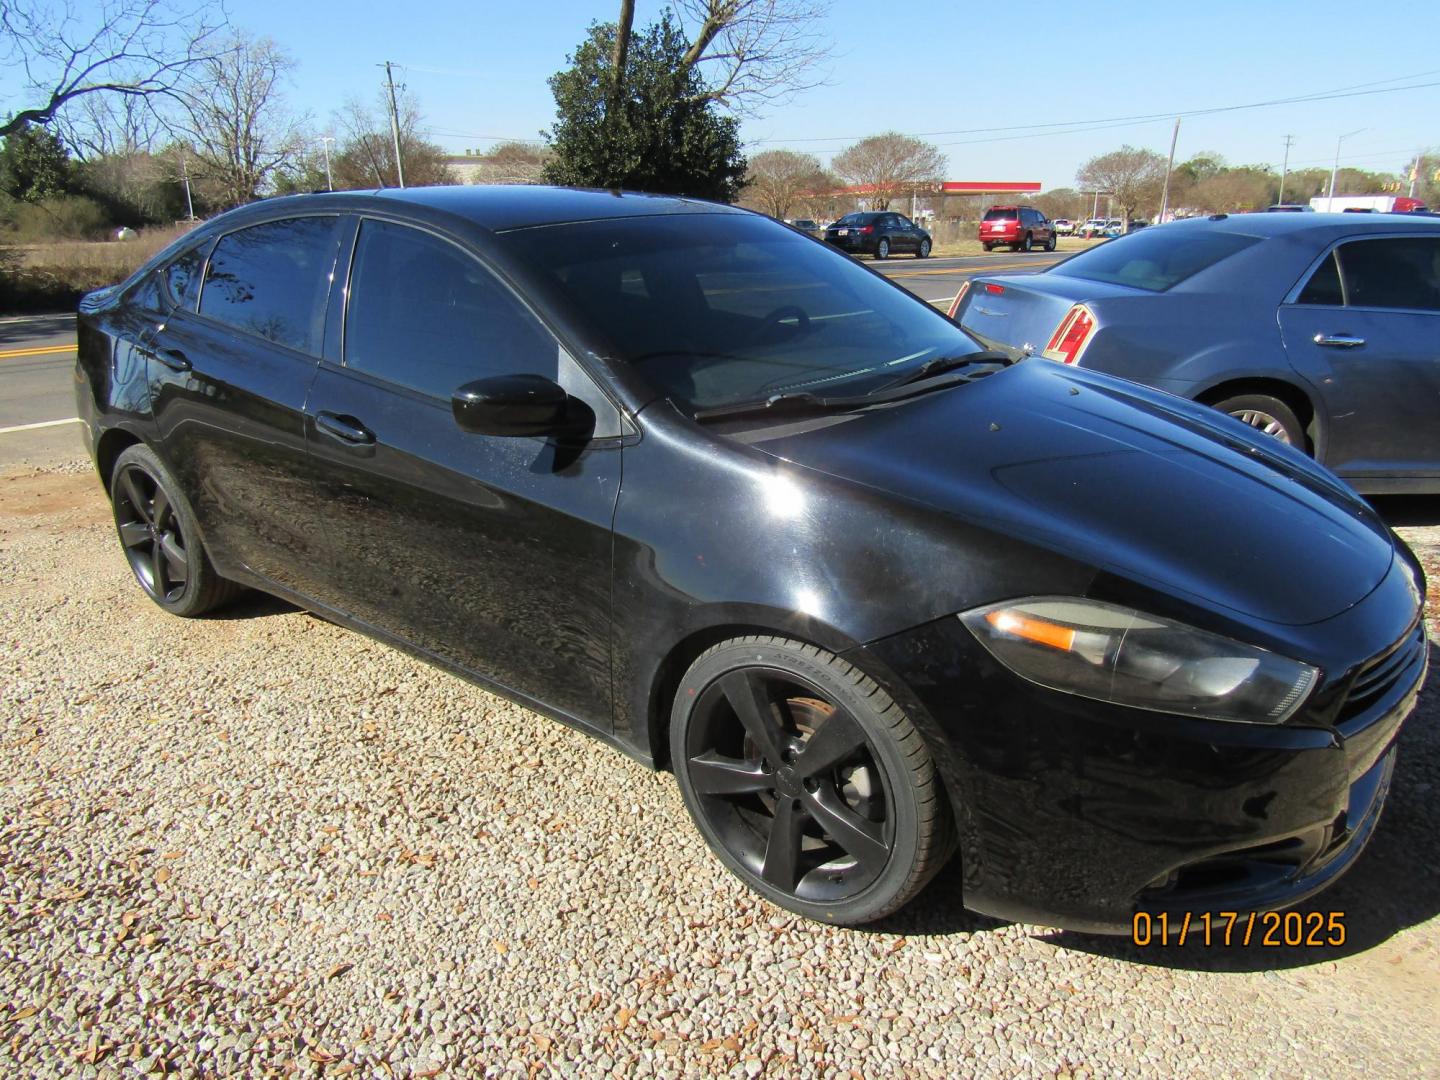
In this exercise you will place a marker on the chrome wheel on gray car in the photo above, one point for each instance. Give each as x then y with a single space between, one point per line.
1269 415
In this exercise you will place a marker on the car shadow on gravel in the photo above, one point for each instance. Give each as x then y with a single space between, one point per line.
252 605
1405 510
1392 887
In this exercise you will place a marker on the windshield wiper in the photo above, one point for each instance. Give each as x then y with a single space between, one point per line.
793 402
941 364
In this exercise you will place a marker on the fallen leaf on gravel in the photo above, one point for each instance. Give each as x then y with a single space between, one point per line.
346 1068
384 916
711 1045
173 855
282 995
542 1043
330 830
501 947
162 875
749 1029
847 1019
732 1044
534 883
149 939
321 1056
25 1013
623 1018
338 970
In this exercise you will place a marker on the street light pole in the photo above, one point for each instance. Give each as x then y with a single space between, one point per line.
1169 168
1330 199
325 141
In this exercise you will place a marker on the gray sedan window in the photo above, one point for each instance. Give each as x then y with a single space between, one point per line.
1398 272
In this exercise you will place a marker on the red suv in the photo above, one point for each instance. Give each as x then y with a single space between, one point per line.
1022 227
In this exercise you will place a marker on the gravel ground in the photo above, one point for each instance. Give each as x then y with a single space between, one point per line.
262 845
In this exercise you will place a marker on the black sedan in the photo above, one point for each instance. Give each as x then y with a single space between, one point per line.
881 233
673 474
1322 330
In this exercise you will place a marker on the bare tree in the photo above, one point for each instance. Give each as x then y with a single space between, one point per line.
67 52
749 53
513 163
367 155
780 178
889 165
1134 177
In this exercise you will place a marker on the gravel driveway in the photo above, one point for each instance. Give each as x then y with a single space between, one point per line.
259 844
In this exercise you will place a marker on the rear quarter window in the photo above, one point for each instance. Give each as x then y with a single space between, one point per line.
1155 261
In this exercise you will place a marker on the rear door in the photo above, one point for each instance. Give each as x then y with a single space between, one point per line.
1365 329
229 371
488 552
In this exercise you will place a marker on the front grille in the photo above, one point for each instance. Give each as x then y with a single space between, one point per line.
1380 676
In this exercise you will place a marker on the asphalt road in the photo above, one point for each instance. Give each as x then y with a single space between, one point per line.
37 355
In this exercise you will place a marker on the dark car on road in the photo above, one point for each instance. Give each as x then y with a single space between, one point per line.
725 499
881 233
1021 228
1322 330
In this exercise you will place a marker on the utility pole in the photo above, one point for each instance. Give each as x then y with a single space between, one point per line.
395 124
185 176
1169 168
1285 168
325 141
1330 200
1415 170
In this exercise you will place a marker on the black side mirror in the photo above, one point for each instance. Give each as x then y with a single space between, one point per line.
511 405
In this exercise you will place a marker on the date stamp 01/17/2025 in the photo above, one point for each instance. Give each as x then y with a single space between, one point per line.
1264 929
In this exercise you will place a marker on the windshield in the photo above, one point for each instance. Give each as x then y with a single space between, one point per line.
1155 259
720 309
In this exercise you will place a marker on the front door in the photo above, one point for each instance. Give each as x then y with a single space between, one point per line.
492 553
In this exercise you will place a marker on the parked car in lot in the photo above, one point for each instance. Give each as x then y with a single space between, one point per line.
1322 330
807 225
881 233
1092 228
742 508
1021 228
1063 226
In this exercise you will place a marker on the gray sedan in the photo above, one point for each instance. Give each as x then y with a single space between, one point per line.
1319 329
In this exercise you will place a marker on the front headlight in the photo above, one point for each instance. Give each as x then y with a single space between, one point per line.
1114 654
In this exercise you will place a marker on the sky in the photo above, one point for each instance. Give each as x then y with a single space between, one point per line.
941 70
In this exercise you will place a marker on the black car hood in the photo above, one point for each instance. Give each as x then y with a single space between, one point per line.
1149 487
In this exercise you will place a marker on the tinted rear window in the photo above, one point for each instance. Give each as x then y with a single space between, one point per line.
1155 261
1001 215
1403 272
857 219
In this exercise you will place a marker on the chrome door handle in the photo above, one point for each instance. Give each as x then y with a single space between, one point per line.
345 428
1339 341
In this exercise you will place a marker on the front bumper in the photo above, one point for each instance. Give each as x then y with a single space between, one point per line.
1078 814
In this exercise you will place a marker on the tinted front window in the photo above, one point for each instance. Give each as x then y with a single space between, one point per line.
272 279
1154 260
721 309
1403 272
427 315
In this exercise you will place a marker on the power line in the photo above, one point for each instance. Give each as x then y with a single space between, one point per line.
1108 123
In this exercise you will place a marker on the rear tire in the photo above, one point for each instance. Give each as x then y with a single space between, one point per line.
988 248
1269 415
161 538
1028 244
807 780
882 249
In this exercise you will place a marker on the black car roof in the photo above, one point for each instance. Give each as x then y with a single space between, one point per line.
516 206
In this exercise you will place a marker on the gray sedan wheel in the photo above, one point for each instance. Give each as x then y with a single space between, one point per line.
1267 414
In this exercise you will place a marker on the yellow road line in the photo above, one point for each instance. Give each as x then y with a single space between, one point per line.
42 350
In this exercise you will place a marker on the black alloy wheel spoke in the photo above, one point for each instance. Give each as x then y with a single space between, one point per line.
135 533
782 848
138 502
715 775
160 508
863 839
747 695
174 555
159 570
837 739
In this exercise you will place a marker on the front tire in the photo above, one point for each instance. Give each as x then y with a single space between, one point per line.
1051 243
1269 415
923 252
161 539
807 780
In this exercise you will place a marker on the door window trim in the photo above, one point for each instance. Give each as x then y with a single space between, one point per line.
1292 298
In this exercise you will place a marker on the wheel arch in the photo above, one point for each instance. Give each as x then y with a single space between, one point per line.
112 443
1299 400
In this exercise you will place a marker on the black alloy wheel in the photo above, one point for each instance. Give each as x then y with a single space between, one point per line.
882 249
160 539
807 780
